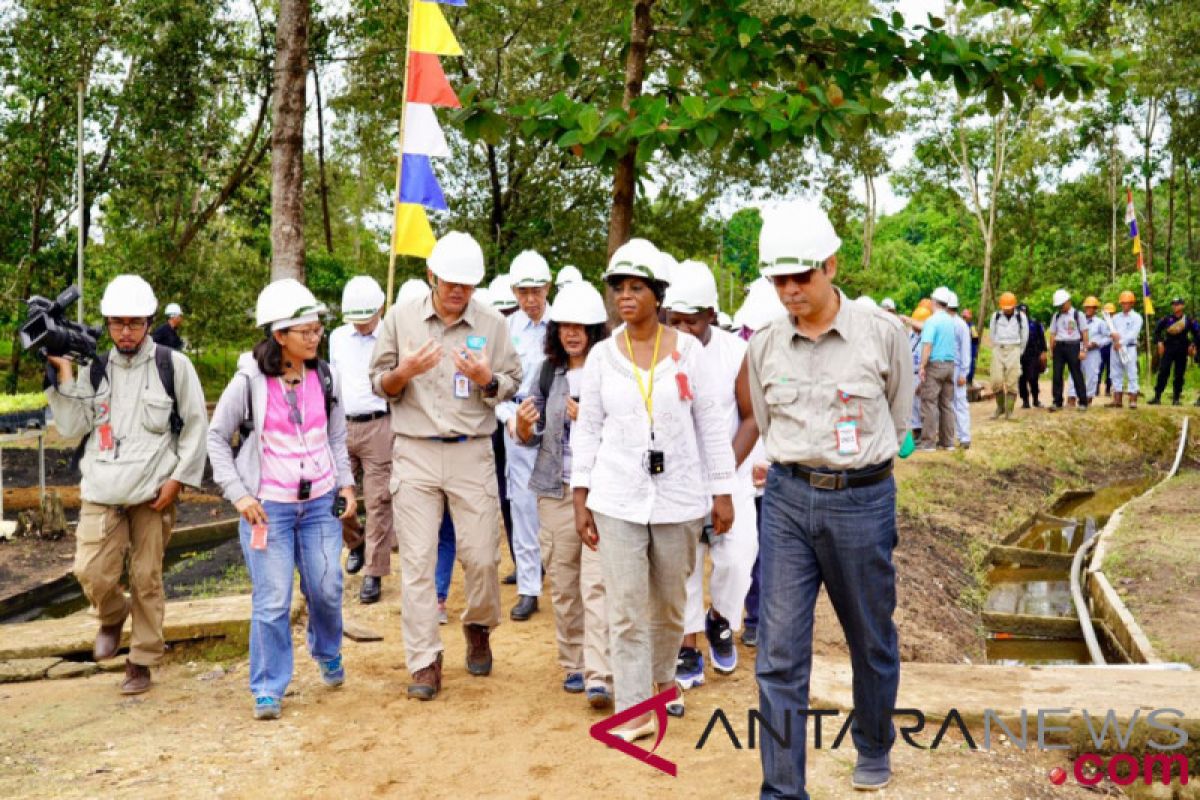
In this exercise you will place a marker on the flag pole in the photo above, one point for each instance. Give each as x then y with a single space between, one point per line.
391 281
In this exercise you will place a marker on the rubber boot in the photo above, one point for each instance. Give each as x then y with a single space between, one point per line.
1010 403
1116 400
1071 402
999 412
1157 399
1133 400
1175 400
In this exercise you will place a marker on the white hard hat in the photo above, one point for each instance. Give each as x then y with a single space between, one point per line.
724 321
888 304
667 264
483 296
413 289
361 298
1061 296
941 295
579 303
500 290
637 258
796 238
866 301
285 303
568 274
529 269
761 306
953 301
173 310
693 289
128 296
457 258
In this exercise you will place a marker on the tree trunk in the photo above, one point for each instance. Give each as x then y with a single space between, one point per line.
323 185
287 140
1170 214
1147 231
496 218
869 221
1187 211
620 221
1112 202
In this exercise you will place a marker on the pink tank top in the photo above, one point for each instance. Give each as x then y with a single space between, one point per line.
293 451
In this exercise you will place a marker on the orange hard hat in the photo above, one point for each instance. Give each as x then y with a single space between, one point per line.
1109 308
1008 300
921 314
1091 302
926 303
1127 297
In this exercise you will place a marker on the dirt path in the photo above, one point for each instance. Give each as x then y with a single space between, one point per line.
1153 561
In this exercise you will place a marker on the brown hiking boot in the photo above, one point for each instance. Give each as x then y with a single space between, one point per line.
108 638
1116 400
427 681
137 678
479 651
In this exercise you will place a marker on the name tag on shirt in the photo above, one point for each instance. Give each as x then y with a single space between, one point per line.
846 431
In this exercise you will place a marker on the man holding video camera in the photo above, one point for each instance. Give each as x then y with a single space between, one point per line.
140 410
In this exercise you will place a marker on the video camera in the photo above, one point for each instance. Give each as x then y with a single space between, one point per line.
48 329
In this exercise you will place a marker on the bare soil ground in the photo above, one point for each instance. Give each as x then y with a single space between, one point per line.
516 733
1152 562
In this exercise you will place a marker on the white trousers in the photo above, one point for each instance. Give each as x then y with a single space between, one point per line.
1091 373
916 412
1124 379
527 551
733 555
962 412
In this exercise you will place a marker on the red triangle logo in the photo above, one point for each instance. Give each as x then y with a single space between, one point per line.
602 731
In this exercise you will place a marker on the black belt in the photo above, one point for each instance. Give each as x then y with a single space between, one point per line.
452 439
833 481
366 417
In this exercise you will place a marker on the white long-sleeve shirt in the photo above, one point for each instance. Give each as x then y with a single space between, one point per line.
1128 325
529 338
1009 330
611 437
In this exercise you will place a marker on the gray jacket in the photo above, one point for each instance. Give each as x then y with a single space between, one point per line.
133 401
547 477
239 478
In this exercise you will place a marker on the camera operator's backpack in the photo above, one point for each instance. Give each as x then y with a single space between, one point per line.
98 370
247 425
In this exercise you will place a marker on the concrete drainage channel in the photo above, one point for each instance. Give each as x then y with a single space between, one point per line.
1043 607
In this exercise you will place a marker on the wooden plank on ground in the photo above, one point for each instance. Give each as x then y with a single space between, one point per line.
1030 625
1024 557
185 620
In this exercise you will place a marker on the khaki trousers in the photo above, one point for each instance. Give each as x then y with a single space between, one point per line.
103 538
576 576
937 405
370 448
426 476
1006 368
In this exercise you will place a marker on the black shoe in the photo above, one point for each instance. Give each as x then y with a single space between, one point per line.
720 643
525 608
750 636
356 559
371 588
1024 404
1037 403
510 579
1156 400
1176 400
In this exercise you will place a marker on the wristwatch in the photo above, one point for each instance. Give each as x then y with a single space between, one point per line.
490 388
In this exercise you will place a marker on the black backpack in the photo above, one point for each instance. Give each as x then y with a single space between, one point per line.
247 425
98 371
546 378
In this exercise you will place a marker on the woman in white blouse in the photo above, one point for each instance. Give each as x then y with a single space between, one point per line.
651 458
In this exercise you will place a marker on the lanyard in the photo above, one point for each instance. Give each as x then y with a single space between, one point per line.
646 393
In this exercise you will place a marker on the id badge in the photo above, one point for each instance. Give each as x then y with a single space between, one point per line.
106 437
847 437
462 386
258 537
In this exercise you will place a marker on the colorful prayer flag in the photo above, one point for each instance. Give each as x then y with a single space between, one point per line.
430 31
418 184
411 234
427 82
422 134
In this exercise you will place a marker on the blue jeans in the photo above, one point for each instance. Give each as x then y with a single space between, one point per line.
844 540
752 595
445 559
302 536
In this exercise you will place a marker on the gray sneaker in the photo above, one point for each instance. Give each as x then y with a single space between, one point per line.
871 774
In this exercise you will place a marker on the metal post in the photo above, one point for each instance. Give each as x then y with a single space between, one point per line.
42 468
79 195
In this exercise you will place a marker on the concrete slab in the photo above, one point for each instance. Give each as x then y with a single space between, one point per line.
72 669
185 620
973 688
16 670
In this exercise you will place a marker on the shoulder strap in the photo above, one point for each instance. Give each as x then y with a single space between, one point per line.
97 370
546 378
165 363
326 375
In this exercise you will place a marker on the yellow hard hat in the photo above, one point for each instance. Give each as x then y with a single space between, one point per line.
921 314
1109 308
926 303
1008 300
1091 302
1127 297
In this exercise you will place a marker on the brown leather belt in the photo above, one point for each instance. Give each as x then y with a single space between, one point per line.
831 481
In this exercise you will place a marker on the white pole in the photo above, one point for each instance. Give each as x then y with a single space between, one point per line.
79 194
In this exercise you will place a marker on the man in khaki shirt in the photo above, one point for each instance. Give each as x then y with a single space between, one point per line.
832 388
444 362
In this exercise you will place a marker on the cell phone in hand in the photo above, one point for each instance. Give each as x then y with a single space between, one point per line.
339 506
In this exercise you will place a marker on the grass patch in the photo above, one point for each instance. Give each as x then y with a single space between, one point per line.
235 580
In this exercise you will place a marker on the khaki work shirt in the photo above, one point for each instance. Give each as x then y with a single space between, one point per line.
427 405
861 369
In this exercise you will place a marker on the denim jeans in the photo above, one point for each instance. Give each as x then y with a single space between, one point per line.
302 536
752 595
844 540
445 557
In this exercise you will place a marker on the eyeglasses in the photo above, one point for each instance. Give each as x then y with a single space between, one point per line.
310 334
293 407
134 325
